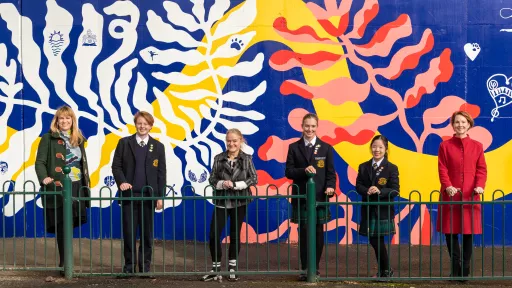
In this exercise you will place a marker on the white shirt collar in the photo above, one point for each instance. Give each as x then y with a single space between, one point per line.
378 163
313 141
137 137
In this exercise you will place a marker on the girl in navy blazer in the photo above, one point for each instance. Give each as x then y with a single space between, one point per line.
310 155
377 181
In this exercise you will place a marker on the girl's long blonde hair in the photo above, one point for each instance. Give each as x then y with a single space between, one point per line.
76 138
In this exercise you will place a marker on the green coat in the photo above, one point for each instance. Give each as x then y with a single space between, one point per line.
50 160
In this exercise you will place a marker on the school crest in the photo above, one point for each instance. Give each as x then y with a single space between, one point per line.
383 181
320 164
155 163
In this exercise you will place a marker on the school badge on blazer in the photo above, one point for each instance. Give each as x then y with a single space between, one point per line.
320 164
383 181
155 163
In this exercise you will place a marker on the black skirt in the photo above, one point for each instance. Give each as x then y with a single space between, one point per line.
55 216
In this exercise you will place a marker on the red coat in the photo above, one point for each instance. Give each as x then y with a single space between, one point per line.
461 165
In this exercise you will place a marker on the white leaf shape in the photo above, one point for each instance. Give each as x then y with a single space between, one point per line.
247 128
245 98
217 11
198 9
176 16
192 114
247 149
21 31
100 190
245 69
253 115
193 95
8 72
56 39
220 136
182 79
168 112
163 32
212 104
237 21
140 102
234 46
205 111
214 147
122 89
167 57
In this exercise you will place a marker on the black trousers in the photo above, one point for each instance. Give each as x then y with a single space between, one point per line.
452 243
141 213
303 243
219 221
381 253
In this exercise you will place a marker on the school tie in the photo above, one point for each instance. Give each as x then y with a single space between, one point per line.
310 149
142 144
375 166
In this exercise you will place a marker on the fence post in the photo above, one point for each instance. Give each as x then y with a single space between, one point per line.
311 218
68 224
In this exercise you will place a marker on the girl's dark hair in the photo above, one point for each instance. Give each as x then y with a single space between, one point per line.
384 141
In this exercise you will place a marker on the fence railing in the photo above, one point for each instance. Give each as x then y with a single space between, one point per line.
181 235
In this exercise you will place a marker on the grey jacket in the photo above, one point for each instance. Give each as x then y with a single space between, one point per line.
243 170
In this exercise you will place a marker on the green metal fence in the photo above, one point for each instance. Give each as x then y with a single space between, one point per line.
353 260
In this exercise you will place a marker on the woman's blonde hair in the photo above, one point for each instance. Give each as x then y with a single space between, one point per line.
76 138
238 133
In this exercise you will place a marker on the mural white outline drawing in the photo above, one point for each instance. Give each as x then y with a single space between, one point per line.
501 94
502 15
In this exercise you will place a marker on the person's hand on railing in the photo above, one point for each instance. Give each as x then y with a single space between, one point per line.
479 190
125 186
329 191
47 180
373 190
310 169
451 190
227 184
159 204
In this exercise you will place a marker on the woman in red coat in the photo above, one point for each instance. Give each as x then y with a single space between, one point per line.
462 172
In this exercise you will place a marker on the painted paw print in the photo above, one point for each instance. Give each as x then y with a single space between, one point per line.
203 176
192 176
237 44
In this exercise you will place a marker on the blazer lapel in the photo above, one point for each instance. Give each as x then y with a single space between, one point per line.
132 144
369 171
238 168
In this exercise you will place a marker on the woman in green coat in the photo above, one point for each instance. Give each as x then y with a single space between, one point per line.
62 146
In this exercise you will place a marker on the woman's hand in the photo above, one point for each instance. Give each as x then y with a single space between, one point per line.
47 180
479 190
310 169
451 191
373 190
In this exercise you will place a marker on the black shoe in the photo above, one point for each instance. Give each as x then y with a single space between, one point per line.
383 275
213 275
303 277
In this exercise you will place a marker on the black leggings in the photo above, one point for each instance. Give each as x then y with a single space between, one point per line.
379 246
218 223
452 243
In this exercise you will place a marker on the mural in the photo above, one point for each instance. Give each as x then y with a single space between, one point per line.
204 66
